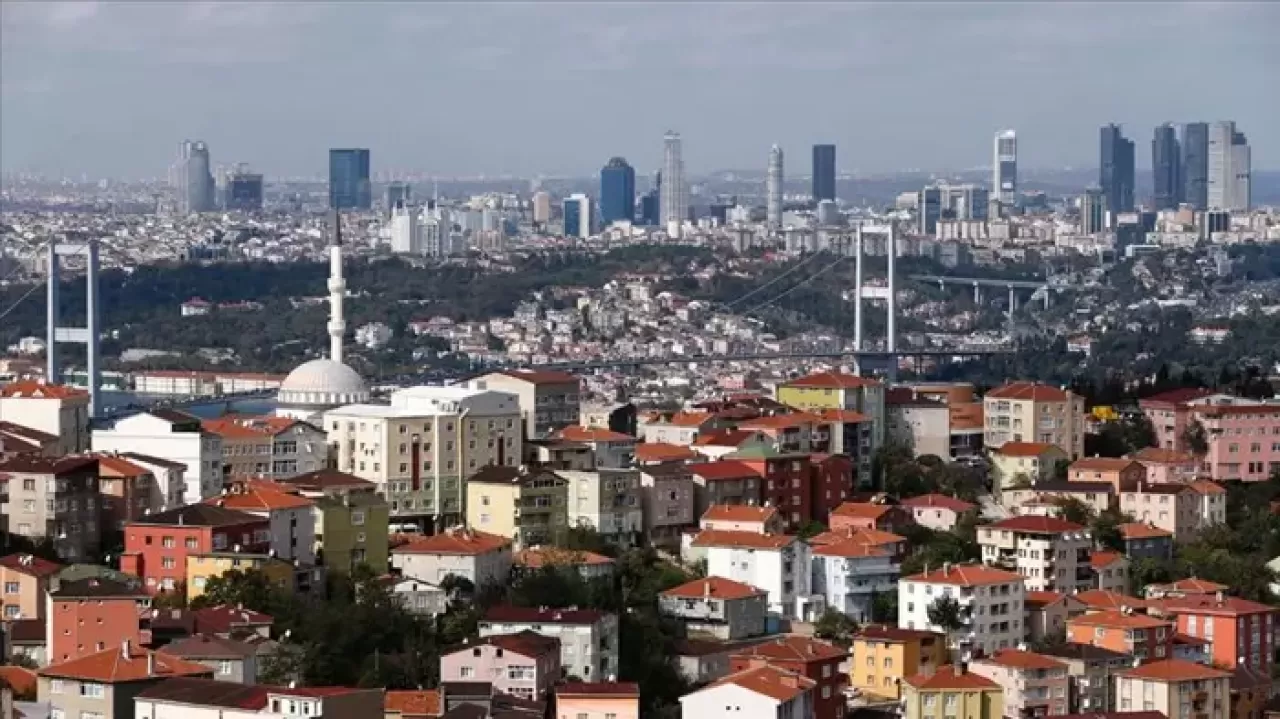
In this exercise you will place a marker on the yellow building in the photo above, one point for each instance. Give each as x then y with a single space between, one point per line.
527 508
1030 412
881 657
951 693
1015 464
203 567
351 531
833 395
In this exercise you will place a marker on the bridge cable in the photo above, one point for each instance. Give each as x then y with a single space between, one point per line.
802 283
770 283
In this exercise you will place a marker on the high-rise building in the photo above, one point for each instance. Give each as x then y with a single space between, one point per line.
824 172
1166 167
193 178
1004 181
1116 169
649 208
406 232
398 194
1093 211
941 201
243 191
773 189
929 209
674 201
1229 168
617 192
1195 164
349 186
541 207
577 215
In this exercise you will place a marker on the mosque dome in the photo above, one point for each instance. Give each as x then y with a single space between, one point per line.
322 384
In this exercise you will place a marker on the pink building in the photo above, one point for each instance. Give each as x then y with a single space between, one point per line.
1167 466
598 700
1034 685
525 665
1243 436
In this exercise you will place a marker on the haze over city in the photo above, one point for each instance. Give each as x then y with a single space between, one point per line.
109 89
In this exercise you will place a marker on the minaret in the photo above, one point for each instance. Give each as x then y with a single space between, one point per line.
337 289
773 189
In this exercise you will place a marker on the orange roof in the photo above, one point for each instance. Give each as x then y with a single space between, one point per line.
862 510
946 677
542 376
125 664
739 513
722 469
1138 530
119 466
874 537
843 416
454 541
594 434
744 540
1018 659
967 575
724 438
1194 585
1103 464
413 704
714 587
773 682
1173 670
1159 455
1204 486
30 564
32 389
1043 598
235 427
539 557
966 415
781 421
1100 559
938 500
1103 599
663 452
1024 449
690 419
1028 391
252 497
794 648
832 380
1115 618
849 548
1210 604
20 679
1034 523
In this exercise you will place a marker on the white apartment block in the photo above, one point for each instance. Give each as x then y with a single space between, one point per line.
1030 412
1051 553
779 564
609 500
990 599
588 638
421 448
174 436
483 559
848 575
53 409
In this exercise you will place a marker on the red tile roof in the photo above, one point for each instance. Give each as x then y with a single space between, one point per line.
30 564
125 664
850 548
724 438
1112 618
1204 486
1159 455
526 643
873 537
967 575
781 421
938 500
745 540
1195 585
739 513
664 452
454 541
946 678
1101 559
1103 599
1211 605
862 510
542 376
1028 391
1173 670
249 498
778 684
714 587
239 427
32 389
539 557
1036 524
598 689
832 380
1043 599
223 618
1018 659
20 679
506 614
1138 530
794 648
594 434
413 703
1024 449
1175 396
1103 464
885 632
725 469
843 416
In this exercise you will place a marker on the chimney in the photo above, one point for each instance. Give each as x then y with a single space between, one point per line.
706 588
957 669
124 650
151 663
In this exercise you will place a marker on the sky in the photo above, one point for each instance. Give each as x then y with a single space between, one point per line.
471 88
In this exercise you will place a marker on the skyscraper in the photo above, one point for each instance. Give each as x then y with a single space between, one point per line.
1166 167
1116 170
193 178
1229 168
1004 180
398 193
617 192
773 189
824 173
1195 164
349 186
674 201
577 215
1093 211
244 191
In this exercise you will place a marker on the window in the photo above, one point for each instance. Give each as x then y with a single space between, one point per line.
357 518
224 667
191 543
168 563
91 690
466 672
55 686
12 587
168 543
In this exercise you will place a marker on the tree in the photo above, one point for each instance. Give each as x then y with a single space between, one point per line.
884 608
1074 510
1106 530
946 614
811 529
835 626
1196 439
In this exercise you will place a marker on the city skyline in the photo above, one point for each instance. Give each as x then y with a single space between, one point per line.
136 62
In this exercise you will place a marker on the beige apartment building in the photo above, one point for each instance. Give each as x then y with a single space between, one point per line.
268 447
1176 688
1031 412
529 508
54 409
55 498
422 447
549 401
25 580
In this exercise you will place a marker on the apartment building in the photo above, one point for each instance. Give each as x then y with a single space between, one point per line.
156 547
812 659
1239 633
352 520
483 559
268 447
598 700
991 603
1091 671
612 450
1142 637
230 659
1212 503
89 616
764 692
1174 508
849 574
291 519
1110 571
938 512
1047 612
1053 554
827 392
1177 689
1031 412
128 491
965 413
951 693
422 447
667 493
105 684
1016 465
25 579
1119 473
725 482
718 607
54 409
919 423
1167 466
525 664
870 515
779 564
588 638
1145 541
742 518
203 566
173 436
882 657
610 501
528 507
55 499
548 400
202 698
1242 435
1034 685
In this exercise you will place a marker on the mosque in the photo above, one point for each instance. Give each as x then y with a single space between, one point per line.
320 385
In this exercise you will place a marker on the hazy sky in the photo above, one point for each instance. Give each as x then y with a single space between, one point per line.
538 87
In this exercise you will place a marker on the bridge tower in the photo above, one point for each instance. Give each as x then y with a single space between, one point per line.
89 334
888 293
